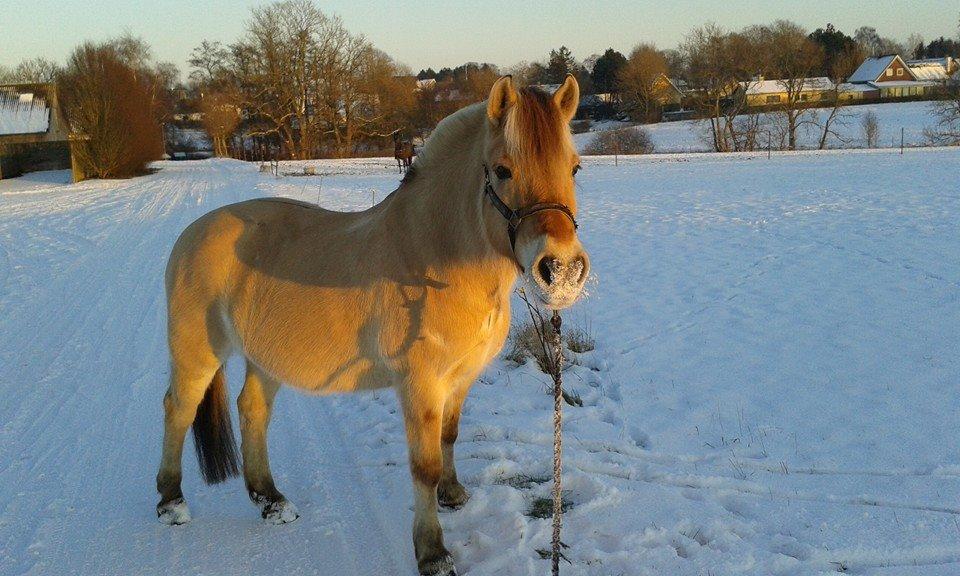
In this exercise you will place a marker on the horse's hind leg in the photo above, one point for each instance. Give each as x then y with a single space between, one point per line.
186 391
256 404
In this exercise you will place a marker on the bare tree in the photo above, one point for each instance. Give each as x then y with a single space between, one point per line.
221 116
210 61
639 82
792 58
843 65
871 129
32 71
947 130
717 61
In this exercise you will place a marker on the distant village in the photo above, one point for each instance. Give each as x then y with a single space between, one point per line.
249 102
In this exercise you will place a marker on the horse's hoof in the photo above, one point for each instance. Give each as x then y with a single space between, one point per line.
279 512
174 512
442 567
454 496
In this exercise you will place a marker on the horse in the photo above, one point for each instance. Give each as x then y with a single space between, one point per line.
411 294
403 153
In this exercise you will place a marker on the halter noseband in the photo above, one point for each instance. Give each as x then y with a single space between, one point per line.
515 217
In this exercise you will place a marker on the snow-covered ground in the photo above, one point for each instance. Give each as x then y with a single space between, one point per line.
773 390
913 117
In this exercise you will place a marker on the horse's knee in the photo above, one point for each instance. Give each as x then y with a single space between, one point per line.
451 430
427 471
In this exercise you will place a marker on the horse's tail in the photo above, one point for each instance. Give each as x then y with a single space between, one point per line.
213 433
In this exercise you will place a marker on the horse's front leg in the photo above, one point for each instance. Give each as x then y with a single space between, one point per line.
450 492
423 412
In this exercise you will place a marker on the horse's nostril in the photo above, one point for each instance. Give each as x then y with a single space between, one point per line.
582 264
545 267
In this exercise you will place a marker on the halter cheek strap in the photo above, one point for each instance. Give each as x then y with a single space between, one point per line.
515 217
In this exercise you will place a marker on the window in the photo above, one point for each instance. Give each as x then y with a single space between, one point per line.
899 71
775 98
890 72
804 97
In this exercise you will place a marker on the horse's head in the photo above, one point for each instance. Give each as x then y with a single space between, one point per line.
531 163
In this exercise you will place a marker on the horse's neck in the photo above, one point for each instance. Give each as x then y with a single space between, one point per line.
442 205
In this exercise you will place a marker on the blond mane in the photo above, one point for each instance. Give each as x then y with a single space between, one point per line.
535 136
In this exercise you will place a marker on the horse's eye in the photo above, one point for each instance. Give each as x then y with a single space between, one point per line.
503 173
576 169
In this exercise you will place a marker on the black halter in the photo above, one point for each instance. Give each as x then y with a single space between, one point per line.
515 217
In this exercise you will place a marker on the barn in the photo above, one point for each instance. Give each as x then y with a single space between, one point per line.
33 132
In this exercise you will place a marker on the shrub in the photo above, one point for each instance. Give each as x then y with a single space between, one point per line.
111 109
580 126
871 129
526 342
634 140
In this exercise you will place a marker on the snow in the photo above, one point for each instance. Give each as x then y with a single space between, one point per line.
931 69
914 117
756 87
871 68
22 113
773 390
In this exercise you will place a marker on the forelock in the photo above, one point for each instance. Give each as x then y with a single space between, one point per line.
535 135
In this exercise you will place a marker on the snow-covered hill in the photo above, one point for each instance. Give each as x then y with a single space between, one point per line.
913 117
773 390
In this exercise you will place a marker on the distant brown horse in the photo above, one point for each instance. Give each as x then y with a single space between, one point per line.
412 294
403 153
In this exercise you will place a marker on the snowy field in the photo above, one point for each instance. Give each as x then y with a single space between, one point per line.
913 117
773 390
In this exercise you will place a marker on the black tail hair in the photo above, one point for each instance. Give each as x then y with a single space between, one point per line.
213 434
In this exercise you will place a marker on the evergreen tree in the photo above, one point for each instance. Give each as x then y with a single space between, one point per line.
834 43
560 64
606 69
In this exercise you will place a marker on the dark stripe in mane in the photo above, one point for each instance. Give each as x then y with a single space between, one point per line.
536 136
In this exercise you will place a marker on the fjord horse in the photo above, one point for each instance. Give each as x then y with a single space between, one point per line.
412 294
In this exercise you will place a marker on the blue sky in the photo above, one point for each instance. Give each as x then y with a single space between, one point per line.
440 33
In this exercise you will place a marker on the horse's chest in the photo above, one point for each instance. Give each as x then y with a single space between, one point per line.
489 332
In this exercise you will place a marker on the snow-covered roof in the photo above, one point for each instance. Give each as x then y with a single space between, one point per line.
23 113
872 68
849 87
426 83
677 84
932 69
759 87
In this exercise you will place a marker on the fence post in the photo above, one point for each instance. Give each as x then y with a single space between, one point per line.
901 140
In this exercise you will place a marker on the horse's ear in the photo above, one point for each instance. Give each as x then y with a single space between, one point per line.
502 96
567 97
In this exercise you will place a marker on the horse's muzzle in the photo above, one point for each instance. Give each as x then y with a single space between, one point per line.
561 279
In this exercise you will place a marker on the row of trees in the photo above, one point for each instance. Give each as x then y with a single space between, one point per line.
299 82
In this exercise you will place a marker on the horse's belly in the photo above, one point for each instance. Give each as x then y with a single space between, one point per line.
312 340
